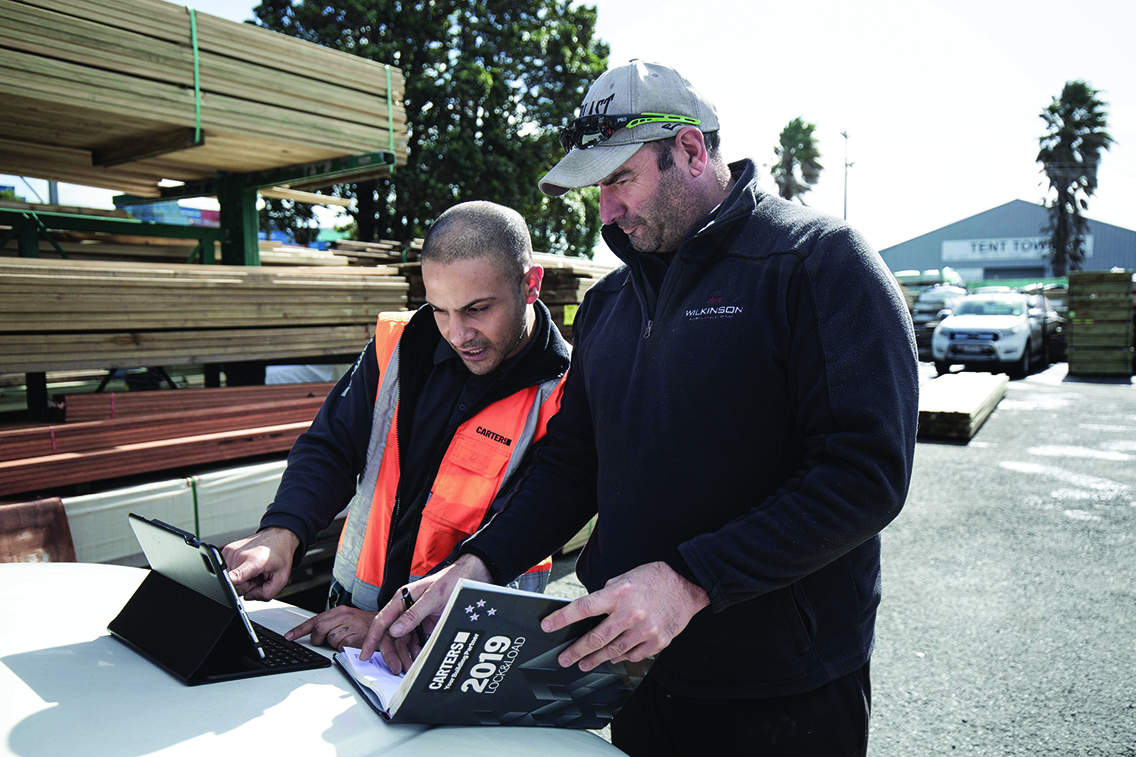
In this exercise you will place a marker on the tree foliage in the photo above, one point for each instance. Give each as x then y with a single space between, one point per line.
1070 154
485 79
296 219
798 159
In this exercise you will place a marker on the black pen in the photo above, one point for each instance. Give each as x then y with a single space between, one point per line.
407 603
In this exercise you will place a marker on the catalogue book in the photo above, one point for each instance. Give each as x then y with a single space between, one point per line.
489 663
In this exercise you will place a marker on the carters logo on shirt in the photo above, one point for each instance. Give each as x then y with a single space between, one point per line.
715 307
495 437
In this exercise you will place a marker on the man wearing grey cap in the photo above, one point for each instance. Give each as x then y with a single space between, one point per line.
740 412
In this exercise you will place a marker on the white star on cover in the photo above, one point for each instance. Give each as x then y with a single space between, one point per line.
470 610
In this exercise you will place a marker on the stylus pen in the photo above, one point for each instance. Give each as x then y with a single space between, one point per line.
407 603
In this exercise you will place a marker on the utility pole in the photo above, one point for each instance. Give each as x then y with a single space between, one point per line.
846 165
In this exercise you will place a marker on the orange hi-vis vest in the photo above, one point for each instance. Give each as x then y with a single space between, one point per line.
484 453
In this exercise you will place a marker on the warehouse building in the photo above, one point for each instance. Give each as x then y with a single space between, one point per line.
1008 242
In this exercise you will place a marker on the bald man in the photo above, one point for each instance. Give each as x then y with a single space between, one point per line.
435 419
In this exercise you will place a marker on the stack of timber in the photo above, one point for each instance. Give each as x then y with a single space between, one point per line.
566 280
276 253
166 430
953 407
1101 322
83 245
67 315
375 253
124 93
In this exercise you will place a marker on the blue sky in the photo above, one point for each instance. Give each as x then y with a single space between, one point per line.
940 98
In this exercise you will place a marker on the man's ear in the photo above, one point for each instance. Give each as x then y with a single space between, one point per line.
531 282
691 151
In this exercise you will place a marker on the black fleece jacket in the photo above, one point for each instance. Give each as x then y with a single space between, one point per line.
751 423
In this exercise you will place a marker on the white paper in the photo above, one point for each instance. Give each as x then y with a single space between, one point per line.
374 674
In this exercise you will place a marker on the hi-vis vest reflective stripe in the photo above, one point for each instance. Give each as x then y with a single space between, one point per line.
485 451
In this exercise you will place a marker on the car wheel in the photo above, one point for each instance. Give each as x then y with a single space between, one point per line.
942 367
1021 368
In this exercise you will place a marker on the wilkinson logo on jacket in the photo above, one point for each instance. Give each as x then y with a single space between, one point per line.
714 308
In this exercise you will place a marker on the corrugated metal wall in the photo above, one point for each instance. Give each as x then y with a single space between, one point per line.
1113 246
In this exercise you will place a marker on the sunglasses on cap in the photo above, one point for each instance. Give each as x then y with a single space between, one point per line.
589 131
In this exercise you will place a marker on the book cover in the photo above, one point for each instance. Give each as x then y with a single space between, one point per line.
489 663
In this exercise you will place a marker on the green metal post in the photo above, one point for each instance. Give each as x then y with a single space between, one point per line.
239 225
28 238
36 396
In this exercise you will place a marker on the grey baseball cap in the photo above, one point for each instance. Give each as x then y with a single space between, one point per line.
651 89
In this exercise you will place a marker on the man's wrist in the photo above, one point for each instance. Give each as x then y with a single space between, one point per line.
288 535
698 596
473 567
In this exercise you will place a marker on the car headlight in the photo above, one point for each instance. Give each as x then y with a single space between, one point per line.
1014 330
943 331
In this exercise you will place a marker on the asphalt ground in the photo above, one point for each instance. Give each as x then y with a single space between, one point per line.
1008 624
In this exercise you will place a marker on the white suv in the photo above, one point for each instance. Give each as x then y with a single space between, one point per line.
1000 333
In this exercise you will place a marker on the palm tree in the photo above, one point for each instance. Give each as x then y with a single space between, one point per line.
1069 156
798 167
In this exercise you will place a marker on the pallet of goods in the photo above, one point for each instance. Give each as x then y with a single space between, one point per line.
953 407
1100 323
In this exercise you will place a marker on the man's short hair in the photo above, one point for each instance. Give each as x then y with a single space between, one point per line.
664 157
479 229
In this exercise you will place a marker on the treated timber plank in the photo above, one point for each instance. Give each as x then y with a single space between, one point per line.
1100 361
52 352
1080 278
1102 309
31 474
956 405
107 405
66 438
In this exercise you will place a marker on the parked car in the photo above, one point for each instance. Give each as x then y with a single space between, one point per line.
931 307
1000 333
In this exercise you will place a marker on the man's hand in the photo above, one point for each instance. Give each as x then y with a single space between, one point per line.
260 565
338 627
646 608
392 632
